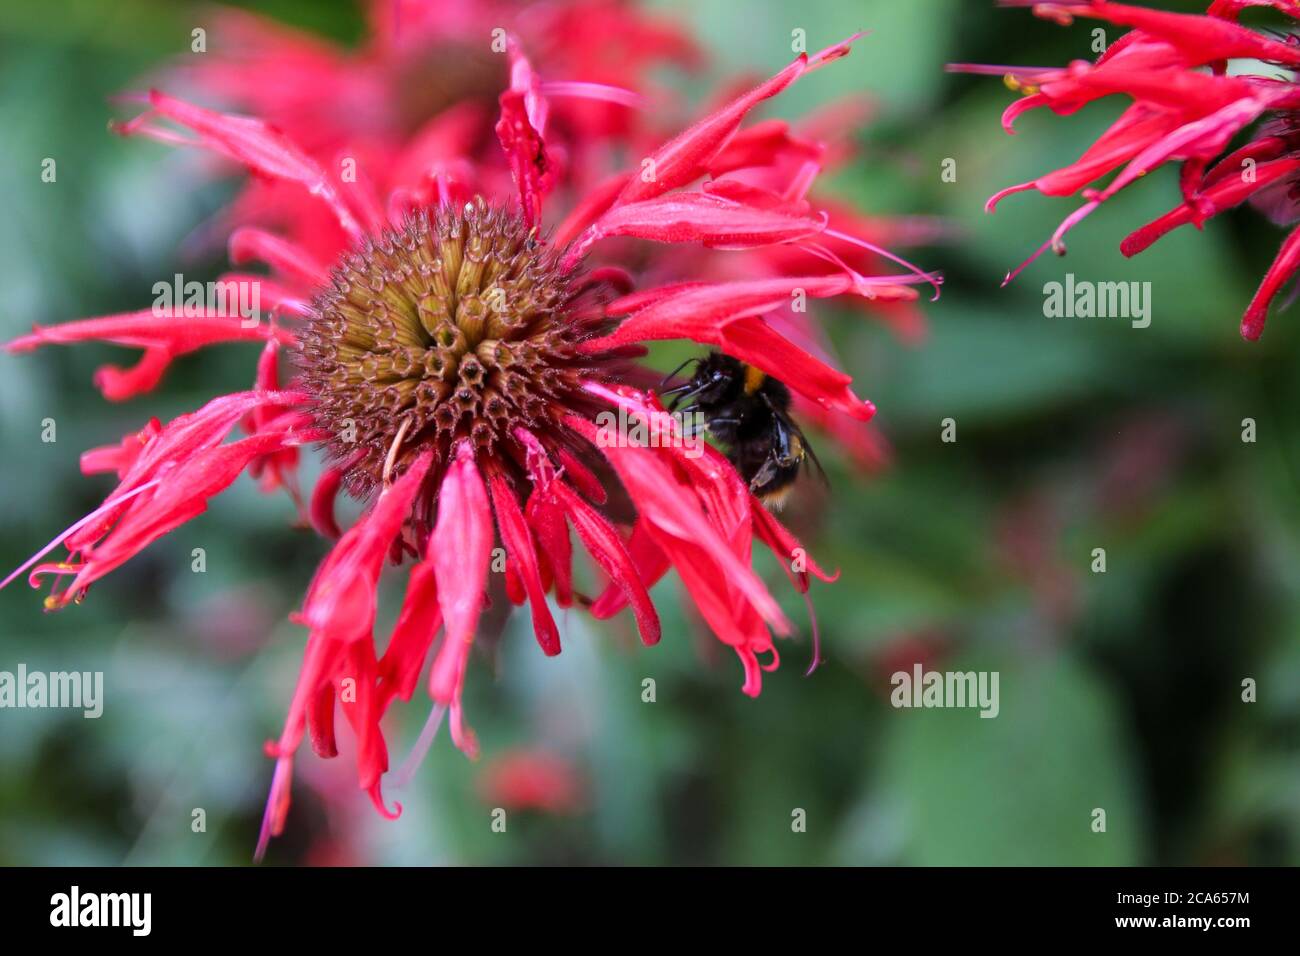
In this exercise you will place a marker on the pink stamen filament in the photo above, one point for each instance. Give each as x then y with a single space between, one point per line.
594 91
406 773
73 529
924 276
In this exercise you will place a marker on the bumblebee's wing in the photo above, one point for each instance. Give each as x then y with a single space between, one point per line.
812 455
784 418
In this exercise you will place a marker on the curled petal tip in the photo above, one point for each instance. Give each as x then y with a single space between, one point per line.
377 797
1252 326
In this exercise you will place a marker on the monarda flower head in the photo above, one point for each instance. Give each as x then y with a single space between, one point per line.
454 362
415 102
1186 108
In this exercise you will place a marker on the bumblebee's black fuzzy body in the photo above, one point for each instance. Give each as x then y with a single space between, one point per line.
749 411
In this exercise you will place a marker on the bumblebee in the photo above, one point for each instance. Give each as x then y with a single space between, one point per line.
749 411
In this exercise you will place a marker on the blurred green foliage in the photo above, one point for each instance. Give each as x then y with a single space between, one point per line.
1120 691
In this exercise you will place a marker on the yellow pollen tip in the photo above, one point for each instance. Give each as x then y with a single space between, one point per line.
1017 86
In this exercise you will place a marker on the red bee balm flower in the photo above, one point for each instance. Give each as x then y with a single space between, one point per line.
532 780
1186 107
453 363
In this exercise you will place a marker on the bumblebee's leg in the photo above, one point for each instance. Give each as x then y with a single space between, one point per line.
693 428
689 426
764 475
681 393
787 425
714 422
685 390
784 450
675 372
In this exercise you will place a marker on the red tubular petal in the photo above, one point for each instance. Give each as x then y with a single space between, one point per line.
592 206
719 301
707 544
604 544
1226 193
1184 93
763 145
753 674
634 302
376 792
321 509
460 549
118 384
276 298
1232 9
177 442
1203 137
413 634
145 329
268 373
1283 268
461 733
1019 108
672 507
688 155
95 461
320 721
341 600
277 806
181 496
515 592
526 152
1136 127
319 661
256 144
248 244
357 678
704 218
120 457
1199 39
651 565
863 442
580 477
758 197
785 545
1260 150
519 545
163 336
547 521
521 129
726 315
544 568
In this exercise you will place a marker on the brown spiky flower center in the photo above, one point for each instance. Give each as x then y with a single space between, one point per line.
458 326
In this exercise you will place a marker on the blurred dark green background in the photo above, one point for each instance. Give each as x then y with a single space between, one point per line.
1119 691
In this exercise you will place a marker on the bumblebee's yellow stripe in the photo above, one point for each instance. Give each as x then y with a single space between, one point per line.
753 379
